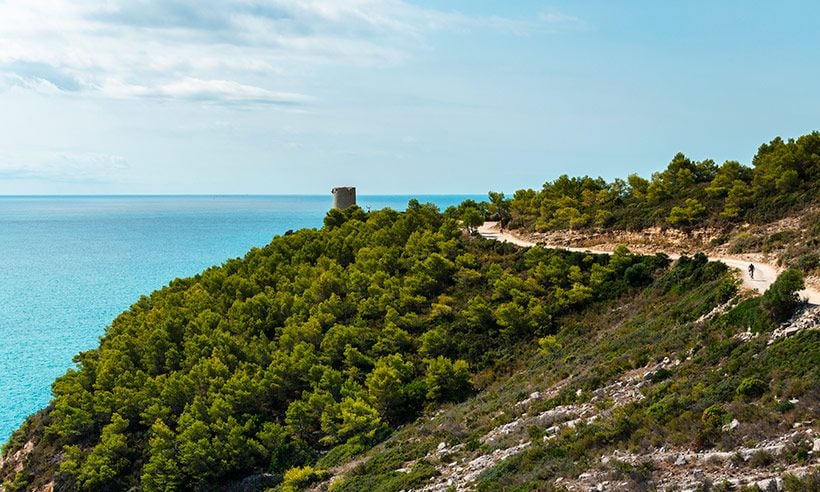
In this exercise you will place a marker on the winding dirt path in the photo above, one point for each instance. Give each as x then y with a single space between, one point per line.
764 273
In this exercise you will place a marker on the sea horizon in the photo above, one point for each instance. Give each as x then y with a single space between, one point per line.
174 195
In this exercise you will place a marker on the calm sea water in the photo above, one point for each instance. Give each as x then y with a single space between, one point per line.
69 265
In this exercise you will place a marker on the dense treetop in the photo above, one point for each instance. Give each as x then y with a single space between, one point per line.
784 175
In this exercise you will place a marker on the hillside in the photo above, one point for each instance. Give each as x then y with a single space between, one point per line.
652 392
397 351
312 348
378 321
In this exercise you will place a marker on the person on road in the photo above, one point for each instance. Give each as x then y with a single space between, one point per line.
751 271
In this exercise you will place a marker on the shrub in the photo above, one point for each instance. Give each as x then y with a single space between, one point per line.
298 478
761 458
752 387
779 240
745 242
638 274
724 486
447 380
792 483
784 406
549 344
799 450
808 262
639 474
713 416
660 375
750 315
662 410
719 239
781 299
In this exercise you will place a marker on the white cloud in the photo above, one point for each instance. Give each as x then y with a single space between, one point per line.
193 89
552 17
554 20
68 167
228 51
40 76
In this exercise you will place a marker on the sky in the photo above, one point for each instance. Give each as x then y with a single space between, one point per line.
391 96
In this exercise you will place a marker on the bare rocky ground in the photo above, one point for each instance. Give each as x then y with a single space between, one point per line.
460 473
17 461
807 318
684 470
18 457
647 241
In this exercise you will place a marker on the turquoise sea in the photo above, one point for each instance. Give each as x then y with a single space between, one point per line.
69 265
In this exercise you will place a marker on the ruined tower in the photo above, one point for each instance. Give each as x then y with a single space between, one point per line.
344 196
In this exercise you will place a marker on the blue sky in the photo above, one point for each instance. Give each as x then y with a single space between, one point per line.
284 96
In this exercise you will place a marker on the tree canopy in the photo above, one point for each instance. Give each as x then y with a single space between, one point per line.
784 175
316 345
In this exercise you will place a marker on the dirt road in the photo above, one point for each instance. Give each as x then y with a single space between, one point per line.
764 273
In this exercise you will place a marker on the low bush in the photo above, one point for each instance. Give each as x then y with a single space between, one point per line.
298 478
807 262
752 387
781 300
761 459
745 243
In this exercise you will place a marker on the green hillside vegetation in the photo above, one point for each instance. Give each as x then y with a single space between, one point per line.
785 175
720 378
303 353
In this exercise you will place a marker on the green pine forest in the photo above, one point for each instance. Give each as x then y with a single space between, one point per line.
784 177
271 369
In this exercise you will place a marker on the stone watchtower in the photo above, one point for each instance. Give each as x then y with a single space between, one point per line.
344 196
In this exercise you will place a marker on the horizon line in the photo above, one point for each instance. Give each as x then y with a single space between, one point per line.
137 195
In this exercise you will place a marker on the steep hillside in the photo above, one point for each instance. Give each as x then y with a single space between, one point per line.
675 389
309 350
